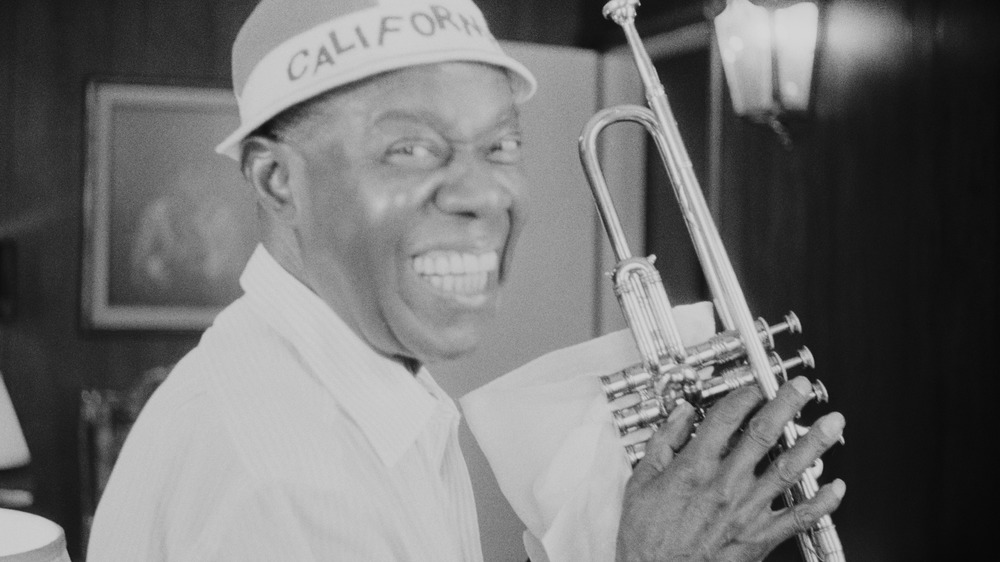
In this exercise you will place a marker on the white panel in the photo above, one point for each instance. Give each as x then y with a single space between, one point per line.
623 158
624 146
549 300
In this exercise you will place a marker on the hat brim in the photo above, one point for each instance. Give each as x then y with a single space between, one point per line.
523 83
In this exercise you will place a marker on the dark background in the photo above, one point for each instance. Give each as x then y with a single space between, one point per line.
878 227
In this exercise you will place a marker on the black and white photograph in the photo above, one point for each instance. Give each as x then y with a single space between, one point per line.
498 280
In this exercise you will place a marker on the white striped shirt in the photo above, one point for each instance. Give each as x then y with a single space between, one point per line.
283 436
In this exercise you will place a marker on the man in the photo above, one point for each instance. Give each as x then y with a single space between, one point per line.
382 142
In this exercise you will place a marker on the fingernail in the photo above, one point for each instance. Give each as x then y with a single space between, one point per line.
802 385
832 424
681 408
839 488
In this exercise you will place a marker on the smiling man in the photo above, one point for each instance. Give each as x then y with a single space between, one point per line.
381 138
382 141
395 199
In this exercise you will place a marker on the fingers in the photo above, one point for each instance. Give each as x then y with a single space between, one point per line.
665 442
722 421
766 426
788 468
803 516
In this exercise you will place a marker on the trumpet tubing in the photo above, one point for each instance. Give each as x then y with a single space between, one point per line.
644 394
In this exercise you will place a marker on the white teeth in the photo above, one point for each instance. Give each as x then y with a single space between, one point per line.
488 261
455 263
470 263
460 273
441 263
466 284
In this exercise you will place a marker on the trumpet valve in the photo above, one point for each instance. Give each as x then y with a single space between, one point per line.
727 346
819 392
626 381
792 323
635 452
804 358
647 412
780 367
727 382
739 376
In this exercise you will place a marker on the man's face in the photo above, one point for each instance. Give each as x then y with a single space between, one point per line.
409 195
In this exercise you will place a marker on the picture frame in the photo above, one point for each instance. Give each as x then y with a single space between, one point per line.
168 222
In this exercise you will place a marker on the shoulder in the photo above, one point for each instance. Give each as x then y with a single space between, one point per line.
249 385
173 454
239 420
275 409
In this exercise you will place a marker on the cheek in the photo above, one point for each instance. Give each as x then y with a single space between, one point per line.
514 182
335 220
390 203
512 179
365 229
385 208
340 205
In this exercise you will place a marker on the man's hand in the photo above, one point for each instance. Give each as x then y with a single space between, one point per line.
700 499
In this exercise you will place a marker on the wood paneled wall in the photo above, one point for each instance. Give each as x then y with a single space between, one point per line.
879 228
48 49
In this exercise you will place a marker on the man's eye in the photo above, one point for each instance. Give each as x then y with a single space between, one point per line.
412 154
507 151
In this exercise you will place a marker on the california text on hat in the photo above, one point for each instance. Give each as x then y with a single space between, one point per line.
291 50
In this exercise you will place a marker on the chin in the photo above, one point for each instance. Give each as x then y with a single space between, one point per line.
447 352
437 334
455 345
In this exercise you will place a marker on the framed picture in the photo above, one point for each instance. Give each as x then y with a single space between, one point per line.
168 222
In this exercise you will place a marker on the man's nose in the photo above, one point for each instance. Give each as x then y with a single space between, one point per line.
473 188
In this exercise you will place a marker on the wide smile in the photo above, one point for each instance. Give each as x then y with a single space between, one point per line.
464 276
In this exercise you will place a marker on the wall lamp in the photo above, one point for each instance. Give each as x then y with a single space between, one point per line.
768 49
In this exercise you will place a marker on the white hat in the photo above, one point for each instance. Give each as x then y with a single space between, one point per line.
291 50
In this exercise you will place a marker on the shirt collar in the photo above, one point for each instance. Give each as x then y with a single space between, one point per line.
391 406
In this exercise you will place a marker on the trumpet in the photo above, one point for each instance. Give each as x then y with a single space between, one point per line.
669 371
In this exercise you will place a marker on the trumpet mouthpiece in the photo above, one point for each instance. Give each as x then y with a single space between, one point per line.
620 10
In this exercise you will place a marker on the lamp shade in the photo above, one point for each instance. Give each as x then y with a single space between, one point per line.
13 449
767 55
795 32
25 537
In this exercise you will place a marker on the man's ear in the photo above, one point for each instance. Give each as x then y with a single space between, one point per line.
265 165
